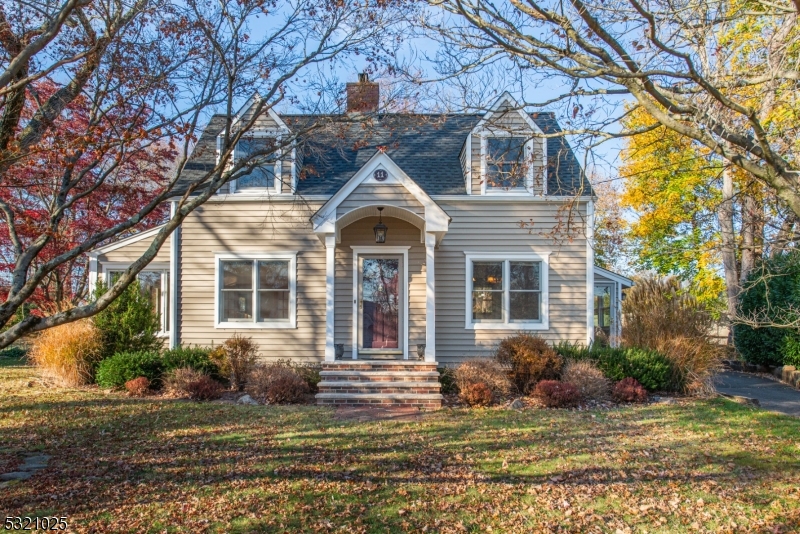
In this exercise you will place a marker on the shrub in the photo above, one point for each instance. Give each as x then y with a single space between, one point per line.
308 371
276 384
483 371
654 370
177 381
555 394
68 354
791 350
476 394
771 295
629 390
447 378
204 389
121 367
240 356
531 359
138 387
194 357
587 379
659 315
129 323
219 358
14 353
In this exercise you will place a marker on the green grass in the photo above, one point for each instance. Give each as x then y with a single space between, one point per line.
151 465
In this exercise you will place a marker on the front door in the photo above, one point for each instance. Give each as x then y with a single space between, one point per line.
380 306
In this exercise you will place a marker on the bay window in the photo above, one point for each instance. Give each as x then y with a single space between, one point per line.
506 291
256 291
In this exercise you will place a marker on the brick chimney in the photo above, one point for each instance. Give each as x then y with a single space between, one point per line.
364 96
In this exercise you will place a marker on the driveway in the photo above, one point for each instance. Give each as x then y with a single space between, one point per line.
771 395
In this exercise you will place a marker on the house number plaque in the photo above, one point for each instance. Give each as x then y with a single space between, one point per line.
380 175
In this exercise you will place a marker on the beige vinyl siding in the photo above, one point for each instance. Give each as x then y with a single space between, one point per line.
490 227
400 234
509 120
370 194
133 251
254 227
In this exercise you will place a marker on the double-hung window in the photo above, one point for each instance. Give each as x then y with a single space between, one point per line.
256 291
261 153
506 163
506 292
154 284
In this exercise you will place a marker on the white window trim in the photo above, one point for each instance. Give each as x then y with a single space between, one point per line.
542 324
485 135
277 169
166 322
290 256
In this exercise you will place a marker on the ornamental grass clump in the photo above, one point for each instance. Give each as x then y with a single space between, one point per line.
659 315
587 379
68 354
530 358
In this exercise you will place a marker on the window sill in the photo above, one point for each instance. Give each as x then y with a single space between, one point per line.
163 334
508 192
508 326
260 326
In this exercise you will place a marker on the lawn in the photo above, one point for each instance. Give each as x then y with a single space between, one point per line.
155 465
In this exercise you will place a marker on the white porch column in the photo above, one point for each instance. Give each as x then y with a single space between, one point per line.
430 298
330 275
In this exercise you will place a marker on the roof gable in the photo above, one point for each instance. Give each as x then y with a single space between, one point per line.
436 219
505 104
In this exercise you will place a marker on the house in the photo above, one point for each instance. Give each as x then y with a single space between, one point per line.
385 247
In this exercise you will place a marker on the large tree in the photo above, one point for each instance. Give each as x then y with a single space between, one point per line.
723 74
135 81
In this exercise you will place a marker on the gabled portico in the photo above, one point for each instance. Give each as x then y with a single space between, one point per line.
381 318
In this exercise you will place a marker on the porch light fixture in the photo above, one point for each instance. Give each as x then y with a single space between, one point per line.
380 228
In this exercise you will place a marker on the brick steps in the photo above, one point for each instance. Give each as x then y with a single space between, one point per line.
382 383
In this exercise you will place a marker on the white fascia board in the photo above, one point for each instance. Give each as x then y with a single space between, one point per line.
252 101
127 241
509 197
624 280
436 219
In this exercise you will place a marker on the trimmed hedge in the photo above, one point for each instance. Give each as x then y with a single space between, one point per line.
125 366
652 369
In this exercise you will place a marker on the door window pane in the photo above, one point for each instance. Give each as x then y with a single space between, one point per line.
380 303
602 308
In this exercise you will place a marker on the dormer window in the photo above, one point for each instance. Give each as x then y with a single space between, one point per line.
506 164
259 151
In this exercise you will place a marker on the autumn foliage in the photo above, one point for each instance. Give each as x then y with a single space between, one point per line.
629 390
555 394
531 359
68 354
138 387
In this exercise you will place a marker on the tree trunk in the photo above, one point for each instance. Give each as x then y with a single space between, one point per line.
750 222
726 213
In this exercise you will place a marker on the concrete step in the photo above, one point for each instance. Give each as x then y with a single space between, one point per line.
378 365
416 388
375 376
386 384
427 401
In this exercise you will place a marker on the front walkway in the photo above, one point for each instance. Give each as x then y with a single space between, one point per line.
771 394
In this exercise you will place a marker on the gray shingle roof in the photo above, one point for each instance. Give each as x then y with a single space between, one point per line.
427 148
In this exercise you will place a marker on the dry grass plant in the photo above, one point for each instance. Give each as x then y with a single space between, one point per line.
178 381
587 379
483 371
67 354
659 315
